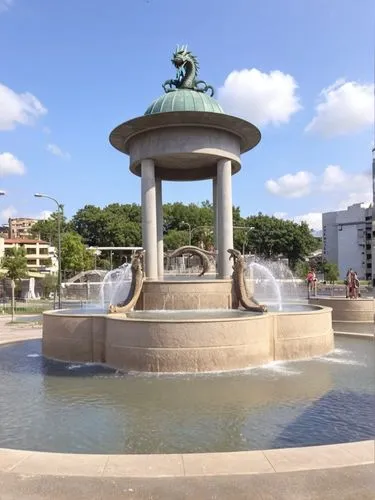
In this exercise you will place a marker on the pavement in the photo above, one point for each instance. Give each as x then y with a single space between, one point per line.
345 483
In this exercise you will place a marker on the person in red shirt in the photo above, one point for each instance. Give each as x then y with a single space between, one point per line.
311 282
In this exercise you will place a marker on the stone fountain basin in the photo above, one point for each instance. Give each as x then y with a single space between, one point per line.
187 341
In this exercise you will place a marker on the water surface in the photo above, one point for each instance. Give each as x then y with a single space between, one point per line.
65 407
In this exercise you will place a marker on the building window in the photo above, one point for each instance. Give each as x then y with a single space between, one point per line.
31 251
31 262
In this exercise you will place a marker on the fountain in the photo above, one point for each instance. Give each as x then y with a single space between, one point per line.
204 323
265 272
281 382
115 286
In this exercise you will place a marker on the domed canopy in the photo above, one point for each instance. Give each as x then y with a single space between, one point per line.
184 100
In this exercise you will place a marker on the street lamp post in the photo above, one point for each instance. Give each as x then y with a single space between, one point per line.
189 226
248 229
3 193
60 208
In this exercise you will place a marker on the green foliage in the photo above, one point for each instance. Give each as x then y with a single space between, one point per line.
120 225
75 257
46 230
177 216
114 225
15 262
271 237
175 239
49 284
317 263
331 272
301 269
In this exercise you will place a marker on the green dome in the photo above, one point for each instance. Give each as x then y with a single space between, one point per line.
184 100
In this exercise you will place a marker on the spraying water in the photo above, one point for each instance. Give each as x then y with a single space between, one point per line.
289 288
266 273
115 286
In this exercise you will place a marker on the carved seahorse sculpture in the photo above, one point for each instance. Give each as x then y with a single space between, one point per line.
239 285
187 67
202 254
135 286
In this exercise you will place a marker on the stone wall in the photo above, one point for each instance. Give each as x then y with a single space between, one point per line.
197 345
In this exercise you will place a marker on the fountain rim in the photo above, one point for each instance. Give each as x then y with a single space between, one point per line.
247 316
247 133
341 298
139 465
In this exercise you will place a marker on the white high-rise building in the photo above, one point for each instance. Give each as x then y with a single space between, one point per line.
348 240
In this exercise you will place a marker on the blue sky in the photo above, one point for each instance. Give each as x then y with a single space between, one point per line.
89 65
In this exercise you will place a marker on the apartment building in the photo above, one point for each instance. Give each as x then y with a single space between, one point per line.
348 240
40 255
20 227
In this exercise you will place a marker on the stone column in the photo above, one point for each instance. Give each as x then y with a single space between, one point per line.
225 216
215 220
149 227
160 223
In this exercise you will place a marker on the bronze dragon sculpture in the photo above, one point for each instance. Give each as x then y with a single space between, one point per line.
240 295
187 68
192 250
135 287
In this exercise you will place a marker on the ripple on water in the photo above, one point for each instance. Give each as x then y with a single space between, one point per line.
88 408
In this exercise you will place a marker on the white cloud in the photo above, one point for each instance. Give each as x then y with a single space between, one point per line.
261 98
55 150
10 165
343 108
291 185
333 177
349 187
18 108
280 215
5 5
359 196
340 188
6 213
313 219
44 214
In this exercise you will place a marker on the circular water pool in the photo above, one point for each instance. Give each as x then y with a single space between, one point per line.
189 314
64 407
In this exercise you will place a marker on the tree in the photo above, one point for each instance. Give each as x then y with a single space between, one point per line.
114 225
272 237
331 272
49 284
301 269
75 257
15 262
175 239
46 229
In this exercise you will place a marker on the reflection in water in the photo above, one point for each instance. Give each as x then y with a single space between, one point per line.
88 408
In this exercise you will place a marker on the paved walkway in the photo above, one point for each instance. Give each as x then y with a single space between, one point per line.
13 332
348 483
